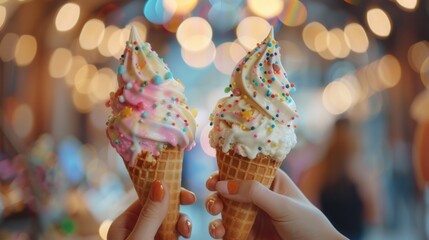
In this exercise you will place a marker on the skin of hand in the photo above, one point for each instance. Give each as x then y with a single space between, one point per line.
143 222
286 212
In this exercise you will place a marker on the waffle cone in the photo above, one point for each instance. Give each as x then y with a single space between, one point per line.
238 218
166 167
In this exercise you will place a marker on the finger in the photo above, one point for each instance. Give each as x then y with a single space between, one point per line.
283 185
211 181
214 204
152 213
184 226
124 223
187 197
216 229
256 193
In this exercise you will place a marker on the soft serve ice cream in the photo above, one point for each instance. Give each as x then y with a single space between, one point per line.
149 110
258 116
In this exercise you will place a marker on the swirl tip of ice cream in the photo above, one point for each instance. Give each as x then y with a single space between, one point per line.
258 116
149 109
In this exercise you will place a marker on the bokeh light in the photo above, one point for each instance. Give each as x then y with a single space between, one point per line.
92 34
67 17
199 59
310 33
204 141
336 98
7 46
83 77
26 49
389 71
223 15
266 8
22 120
379 22
356 37
114 44
194 34
77 63
60 63
408 5
294 13
424 73
417 54
81 102
156 11
252 30
103 48
227 56
2 16
337 43
104 228
180 7
103 83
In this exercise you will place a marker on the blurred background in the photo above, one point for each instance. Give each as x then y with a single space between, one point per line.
363 62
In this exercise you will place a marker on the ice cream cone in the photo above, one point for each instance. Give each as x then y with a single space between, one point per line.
238 218
166 167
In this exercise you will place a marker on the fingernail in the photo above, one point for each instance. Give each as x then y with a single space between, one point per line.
210 205
212 229
189 227
233 187
157 191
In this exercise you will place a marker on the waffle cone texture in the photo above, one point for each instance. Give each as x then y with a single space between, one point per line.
166 167
238 218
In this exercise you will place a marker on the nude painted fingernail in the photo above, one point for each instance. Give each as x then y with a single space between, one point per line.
212 229
188 226
233 186
157 191
209 205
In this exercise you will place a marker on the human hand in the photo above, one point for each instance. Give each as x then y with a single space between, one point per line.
143 222
286 212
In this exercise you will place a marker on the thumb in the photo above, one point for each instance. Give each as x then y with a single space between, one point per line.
252 191
153 212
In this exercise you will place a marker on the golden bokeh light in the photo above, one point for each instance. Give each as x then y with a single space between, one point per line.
337 43
81 102
3 13
174 23
67 17
379 22
194 34
60 63
336 98
321 41
417 54
389 71
179 7
114 44
104 228
77 63
22 120
294 13
103 48
354 87
408 5
310 33
424 73
356 38
103 83
25 50
228 54
252 30
7 47
92 34
199 59
83 78
266 8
